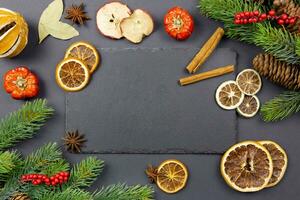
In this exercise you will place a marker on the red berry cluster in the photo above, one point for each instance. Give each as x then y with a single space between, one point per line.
256 16
37 179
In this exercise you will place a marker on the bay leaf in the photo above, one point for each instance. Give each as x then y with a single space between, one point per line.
50 23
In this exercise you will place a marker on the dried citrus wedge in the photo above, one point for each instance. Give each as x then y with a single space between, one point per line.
172 176
249 81
72 74
85 52
229 96
249 107
247 166
280 161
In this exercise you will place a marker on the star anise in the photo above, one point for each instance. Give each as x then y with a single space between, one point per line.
74 141
77 14
151 173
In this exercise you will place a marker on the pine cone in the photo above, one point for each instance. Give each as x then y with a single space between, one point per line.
292 9
278 72
20 196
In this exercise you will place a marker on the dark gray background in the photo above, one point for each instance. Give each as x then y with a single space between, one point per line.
205 181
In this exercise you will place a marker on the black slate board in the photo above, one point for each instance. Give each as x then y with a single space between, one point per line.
137 106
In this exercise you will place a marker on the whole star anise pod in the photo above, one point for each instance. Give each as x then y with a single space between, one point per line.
77 14
74 141
151 173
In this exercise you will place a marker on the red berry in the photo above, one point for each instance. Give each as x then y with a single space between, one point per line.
245 21
251 14
247 14
67 174
254 20
60 177
30 176
263 16
48 183
38 181
272 13
292 21
65 179
250 20
53 183
284 16
34 176
280 21
238 16
39 176
52 178
242 15
56 180
24 177
256 13
237 21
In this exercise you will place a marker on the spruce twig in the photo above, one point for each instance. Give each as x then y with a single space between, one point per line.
281 106
123 192
267 36
23 123
8 162
273 40
86 172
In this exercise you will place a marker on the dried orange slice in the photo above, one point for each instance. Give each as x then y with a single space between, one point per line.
229 96
85 52
247 166
72 74
249 107
280 161
249 81
172 176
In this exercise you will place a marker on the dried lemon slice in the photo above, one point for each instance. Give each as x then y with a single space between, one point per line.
85 52
229 96
249 81
72 74
249 107
172 176
280 161
247 166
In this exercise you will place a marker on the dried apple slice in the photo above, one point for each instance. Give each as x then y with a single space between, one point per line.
137 26
109 18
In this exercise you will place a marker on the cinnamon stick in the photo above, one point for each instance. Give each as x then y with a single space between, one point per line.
205 51
206 75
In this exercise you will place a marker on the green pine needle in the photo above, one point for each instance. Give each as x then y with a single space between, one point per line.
47 160
267 36
123 192
281 106
86 172
275 41
68 194
24 123
8 162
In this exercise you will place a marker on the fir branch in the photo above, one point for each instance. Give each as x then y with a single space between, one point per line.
267 36
68 194
123 192
86 172
8 162
24 123
281 106
274 41
47 160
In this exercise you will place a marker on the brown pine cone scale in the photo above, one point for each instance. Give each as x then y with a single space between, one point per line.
20 196
278 72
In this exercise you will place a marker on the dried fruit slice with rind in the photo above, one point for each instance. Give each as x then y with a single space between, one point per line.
228 95
249 81
280 161
247 166
72 74
85 52
172 176
249 107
